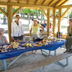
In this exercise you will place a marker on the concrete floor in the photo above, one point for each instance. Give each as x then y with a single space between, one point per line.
54 67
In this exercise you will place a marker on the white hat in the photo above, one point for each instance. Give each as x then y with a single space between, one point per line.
36 19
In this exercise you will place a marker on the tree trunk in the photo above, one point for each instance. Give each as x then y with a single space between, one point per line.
21 12
4 17
23 15
37 14
41 17
29 18
68 18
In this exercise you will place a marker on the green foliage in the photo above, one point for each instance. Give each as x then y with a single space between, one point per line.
51 13
57 12
15 10
39 11
3 9
70 13
32 12
63 10
6 10
26 11
0 12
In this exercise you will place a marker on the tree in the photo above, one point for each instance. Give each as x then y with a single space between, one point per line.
57 13
15 10
0 12
26 11
32 12
4 17
70 13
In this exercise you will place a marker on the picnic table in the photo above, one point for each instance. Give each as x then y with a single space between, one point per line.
52 46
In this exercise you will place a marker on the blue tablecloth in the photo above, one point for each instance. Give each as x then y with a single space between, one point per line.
52 46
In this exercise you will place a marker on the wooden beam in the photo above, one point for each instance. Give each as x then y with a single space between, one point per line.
28 5
17 11
43 2
27 1
48 21
3 3
18 1
59 2
9 12
54 20
39 2
65 12
65 6
56 17
25 5
39 64
47 2
53 2
59 20
9 1
50 2
64 2
36 2
53 16
43 12
38 8
3 12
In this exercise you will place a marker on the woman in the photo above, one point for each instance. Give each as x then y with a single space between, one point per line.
17 30
68 44
3 39
34 31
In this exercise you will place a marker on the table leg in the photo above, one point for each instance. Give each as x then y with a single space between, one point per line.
46 53
15 60
4 64
67 62
55 53
49 52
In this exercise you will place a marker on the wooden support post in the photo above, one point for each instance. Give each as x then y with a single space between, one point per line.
3 11
43 12
17 11
54 21
65 12
59 21
9 11
48 21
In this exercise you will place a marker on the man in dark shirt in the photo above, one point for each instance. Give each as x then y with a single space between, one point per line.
44 25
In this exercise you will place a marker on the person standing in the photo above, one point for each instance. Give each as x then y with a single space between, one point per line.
17 32
34 31
3 39
68 44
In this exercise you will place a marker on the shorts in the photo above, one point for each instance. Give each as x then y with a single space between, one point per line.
33 36
18 38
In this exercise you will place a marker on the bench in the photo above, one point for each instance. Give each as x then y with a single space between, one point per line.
42 63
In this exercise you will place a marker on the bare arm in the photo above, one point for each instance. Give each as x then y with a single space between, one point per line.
42 28
12 31
22 31
6 41
31 31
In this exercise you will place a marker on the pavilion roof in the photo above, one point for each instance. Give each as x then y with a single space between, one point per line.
33 4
